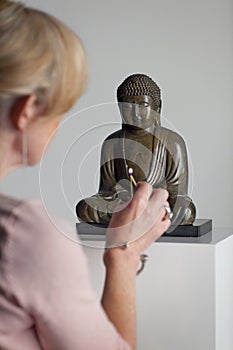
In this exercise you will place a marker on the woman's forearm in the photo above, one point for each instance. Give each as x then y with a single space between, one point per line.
118 298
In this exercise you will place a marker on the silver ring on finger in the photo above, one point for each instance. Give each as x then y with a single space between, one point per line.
169 213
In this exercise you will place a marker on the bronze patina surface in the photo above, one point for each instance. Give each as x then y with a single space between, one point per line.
156 154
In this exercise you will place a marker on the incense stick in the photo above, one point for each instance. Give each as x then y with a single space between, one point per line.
132 179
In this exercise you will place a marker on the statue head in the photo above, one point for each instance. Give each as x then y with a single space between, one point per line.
139 101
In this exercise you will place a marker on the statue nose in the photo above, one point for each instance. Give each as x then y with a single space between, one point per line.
136 109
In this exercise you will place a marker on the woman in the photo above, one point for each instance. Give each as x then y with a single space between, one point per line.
46 301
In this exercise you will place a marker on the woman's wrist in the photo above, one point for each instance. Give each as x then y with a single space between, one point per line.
124 259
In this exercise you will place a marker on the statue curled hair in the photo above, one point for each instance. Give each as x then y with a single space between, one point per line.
137 85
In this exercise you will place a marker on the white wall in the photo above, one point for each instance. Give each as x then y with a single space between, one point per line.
187 47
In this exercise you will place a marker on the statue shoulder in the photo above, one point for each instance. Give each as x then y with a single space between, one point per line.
173 142
115 135
110 143
170 136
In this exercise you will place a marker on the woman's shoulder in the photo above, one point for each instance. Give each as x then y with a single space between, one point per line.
28 229
31 218
8 204
12 208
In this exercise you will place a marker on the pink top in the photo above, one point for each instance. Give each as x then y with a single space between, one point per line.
46 300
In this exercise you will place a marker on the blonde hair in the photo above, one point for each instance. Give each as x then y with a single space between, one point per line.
39 55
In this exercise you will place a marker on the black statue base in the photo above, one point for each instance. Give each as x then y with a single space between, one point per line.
197 229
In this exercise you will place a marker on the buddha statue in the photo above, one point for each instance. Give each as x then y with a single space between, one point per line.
155 154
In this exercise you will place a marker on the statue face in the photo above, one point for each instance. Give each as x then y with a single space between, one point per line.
138 111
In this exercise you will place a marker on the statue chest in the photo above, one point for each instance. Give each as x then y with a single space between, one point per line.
140 155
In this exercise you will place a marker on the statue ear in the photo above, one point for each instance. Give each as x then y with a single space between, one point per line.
120 106
158 112
158 120
159 107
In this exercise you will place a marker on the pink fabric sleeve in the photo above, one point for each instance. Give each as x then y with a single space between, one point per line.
49 279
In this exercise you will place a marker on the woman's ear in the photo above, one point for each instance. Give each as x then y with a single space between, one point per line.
23 111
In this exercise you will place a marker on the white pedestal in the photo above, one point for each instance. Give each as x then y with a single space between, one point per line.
185 293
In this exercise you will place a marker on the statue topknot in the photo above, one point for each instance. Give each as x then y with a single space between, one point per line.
137 85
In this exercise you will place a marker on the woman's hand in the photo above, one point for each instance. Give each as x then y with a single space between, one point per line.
141 221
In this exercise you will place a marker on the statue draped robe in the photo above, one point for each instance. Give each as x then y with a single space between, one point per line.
159 159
